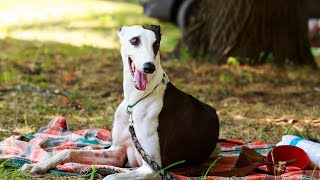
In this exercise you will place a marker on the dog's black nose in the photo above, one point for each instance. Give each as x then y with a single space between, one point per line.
148 68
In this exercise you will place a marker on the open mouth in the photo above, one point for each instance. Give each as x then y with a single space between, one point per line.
139 78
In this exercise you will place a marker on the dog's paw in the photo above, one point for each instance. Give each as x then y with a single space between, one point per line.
125 176
38 168
34 168
26 167
111 177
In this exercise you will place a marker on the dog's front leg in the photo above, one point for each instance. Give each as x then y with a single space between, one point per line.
47 164
115 156
143 172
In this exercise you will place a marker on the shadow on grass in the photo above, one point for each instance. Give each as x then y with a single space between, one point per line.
31 73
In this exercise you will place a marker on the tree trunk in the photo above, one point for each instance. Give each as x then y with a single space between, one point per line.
251 29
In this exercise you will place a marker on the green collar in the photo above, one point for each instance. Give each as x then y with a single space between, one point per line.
132 105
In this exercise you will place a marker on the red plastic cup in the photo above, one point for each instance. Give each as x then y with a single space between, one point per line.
287 153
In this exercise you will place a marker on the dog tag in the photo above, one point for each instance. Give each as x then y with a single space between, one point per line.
130 119
130 116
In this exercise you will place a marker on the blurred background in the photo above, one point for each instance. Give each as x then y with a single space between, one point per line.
256 63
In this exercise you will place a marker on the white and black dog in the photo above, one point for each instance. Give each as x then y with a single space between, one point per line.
169 124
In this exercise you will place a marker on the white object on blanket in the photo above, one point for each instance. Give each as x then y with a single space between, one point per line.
311 148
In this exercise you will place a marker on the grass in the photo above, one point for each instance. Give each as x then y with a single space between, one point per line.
93 173
7 170
209 168
58 59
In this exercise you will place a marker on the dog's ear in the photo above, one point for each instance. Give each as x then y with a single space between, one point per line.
156 29
121 31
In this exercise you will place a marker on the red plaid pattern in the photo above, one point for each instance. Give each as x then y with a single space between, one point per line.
55 137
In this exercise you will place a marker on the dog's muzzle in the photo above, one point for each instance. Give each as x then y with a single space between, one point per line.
149 68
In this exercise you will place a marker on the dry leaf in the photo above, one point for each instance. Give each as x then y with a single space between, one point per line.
69 77
281 119
316 121
65 100
291 121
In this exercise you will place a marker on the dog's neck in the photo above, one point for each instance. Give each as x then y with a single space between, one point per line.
131 94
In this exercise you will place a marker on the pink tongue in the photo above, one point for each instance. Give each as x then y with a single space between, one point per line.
140 80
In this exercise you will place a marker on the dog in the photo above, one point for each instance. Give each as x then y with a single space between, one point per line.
169 124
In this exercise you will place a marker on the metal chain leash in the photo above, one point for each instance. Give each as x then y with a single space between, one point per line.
154 165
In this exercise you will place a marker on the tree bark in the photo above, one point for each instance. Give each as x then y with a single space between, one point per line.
251 29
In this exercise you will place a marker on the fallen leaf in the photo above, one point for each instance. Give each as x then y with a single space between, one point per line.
78 107
300 127
316 89
69 77
281 119
291 121
316 121
238 117
65 100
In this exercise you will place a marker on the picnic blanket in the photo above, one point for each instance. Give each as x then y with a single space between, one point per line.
55 137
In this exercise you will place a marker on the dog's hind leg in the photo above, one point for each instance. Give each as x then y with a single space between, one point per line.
143 172
115 156
216 151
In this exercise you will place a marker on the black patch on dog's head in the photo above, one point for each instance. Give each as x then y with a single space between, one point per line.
156 30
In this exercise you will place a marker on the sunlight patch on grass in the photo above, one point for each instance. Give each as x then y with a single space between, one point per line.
76 38
76 22
21 12
24 130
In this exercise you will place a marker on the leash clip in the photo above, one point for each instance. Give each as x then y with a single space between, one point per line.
128 110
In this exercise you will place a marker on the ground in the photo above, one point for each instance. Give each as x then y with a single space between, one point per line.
58 59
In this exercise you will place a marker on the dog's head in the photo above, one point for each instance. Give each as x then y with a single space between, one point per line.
140 52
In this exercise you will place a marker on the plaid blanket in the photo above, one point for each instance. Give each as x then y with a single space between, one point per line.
55 137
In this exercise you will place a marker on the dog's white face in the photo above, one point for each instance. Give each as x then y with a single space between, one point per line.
139 51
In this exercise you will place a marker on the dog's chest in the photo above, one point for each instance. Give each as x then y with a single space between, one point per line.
145 119
145 115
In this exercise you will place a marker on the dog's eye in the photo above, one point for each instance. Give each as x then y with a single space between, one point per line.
156 47
135 41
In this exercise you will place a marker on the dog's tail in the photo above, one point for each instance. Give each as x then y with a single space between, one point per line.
216 151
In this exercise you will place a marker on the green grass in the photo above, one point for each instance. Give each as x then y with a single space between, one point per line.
72 47
8 171
93 173
204 177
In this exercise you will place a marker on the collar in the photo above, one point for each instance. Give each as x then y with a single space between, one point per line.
130 106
